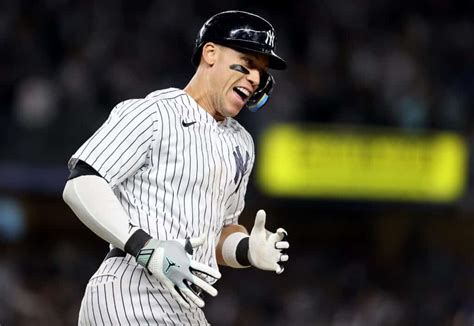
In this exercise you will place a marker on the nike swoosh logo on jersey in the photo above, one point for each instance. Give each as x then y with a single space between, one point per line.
187 124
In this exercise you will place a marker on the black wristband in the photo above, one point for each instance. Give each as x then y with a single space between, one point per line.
136 242
242 252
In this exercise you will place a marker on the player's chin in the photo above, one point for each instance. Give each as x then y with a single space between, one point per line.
235 105
233 111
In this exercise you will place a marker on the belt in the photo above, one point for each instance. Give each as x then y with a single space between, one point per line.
115 252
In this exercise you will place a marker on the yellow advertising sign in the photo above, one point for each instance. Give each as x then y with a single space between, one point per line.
383 164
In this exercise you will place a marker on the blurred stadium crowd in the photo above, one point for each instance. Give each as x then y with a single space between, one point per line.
398 63
343 281
407 64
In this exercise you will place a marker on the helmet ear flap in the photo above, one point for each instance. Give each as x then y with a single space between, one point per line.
263 92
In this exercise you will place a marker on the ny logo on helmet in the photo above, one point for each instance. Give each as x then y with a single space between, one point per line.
270 39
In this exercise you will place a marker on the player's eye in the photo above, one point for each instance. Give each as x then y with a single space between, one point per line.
247 61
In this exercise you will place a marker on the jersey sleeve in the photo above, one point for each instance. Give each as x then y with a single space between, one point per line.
236 202
121 145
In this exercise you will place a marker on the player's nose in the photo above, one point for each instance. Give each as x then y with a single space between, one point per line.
254 78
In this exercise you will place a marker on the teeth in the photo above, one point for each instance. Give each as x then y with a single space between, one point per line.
244 90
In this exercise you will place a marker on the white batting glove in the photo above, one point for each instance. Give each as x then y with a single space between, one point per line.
170 262
265 247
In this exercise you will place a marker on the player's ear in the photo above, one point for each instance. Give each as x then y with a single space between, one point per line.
209 53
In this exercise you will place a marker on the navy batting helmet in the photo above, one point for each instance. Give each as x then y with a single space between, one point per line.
239 30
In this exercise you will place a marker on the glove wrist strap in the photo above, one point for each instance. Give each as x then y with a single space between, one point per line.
235 250
136 242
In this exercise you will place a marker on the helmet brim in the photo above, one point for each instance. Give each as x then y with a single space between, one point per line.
274 60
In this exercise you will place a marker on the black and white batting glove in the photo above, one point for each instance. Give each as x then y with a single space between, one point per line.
266 249
170 262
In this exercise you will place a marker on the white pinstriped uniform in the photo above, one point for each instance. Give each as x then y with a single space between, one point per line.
174 181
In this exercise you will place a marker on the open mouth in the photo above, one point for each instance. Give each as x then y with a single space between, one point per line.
242 92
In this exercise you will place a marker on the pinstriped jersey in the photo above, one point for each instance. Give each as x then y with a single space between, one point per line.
176 170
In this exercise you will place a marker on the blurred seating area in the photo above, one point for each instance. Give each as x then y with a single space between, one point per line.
344 270
65 64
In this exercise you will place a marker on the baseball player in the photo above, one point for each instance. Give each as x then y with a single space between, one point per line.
163 180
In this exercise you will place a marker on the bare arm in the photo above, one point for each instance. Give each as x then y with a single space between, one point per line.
262 249
226 232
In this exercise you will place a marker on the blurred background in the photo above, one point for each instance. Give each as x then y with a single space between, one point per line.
363 154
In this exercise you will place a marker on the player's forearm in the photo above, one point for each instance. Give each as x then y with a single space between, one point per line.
226 251
95 204
261 249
